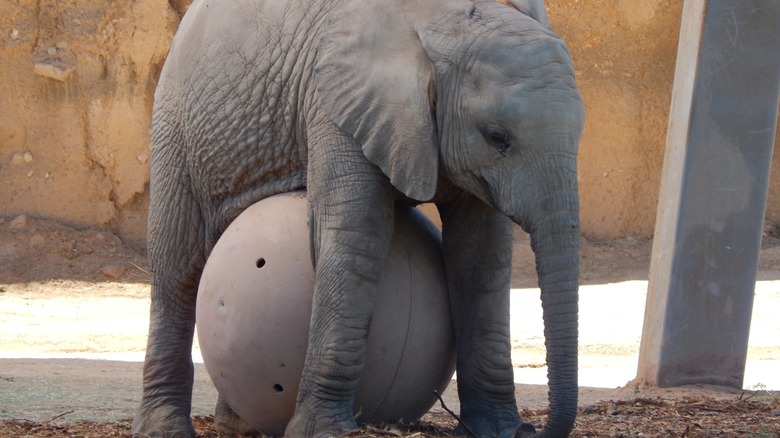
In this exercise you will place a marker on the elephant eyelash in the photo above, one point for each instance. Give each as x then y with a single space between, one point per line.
502 148
498 137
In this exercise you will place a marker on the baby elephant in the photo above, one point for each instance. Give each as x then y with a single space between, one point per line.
468 104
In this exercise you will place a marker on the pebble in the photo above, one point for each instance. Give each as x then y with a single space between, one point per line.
7 250
17 159
143 158
113 271
18 222
51 50
27 156
67 246
14 34
50 71
37 240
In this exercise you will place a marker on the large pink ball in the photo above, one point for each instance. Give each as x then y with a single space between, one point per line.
254 307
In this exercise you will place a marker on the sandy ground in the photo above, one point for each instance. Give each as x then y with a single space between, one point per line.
81 355
72 348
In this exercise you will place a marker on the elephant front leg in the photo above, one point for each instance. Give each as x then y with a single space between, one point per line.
351 221
477 253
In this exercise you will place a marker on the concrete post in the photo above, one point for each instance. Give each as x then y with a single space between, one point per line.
713 194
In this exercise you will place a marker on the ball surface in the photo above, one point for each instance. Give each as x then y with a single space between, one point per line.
254 307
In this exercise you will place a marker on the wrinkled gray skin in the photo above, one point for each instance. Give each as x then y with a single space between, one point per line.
368 103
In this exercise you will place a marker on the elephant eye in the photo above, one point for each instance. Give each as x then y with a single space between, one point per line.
498 137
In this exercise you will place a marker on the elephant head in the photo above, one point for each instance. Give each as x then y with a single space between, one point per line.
483 95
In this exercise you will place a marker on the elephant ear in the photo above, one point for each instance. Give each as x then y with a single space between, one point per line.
374 81
533 8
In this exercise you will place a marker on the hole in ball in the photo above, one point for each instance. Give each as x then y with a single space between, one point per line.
278 388
260 262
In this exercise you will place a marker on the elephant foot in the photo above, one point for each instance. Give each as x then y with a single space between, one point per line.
306 424
164 434
162 421
494 423
229 424
488 429
525 430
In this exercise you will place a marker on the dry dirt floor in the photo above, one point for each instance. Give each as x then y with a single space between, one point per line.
73 319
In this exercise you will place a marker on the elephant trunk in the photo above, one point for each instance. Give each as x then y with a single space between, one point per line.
557 264
555 241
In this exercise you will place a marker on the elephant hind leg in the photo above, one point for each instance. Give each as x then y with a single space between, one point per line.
176 257
228 423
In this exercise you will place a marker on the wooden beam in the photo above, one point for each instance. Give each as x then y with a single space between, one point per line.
713 194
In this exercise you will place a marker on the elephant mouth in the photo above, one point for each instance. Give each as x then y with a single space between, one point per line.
484 191
510 211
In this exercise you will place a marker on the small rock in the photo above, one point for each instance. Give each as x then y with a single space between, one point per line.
51 50
62 45
30 173
113 271
18 222
86 250
17 159
14 34
67 246
7 250
51 71
37 240
143 158
27 156
68 249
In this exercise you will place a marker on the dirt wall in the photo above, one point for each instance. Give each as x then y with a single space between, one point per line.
76 88
77 80
624 54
